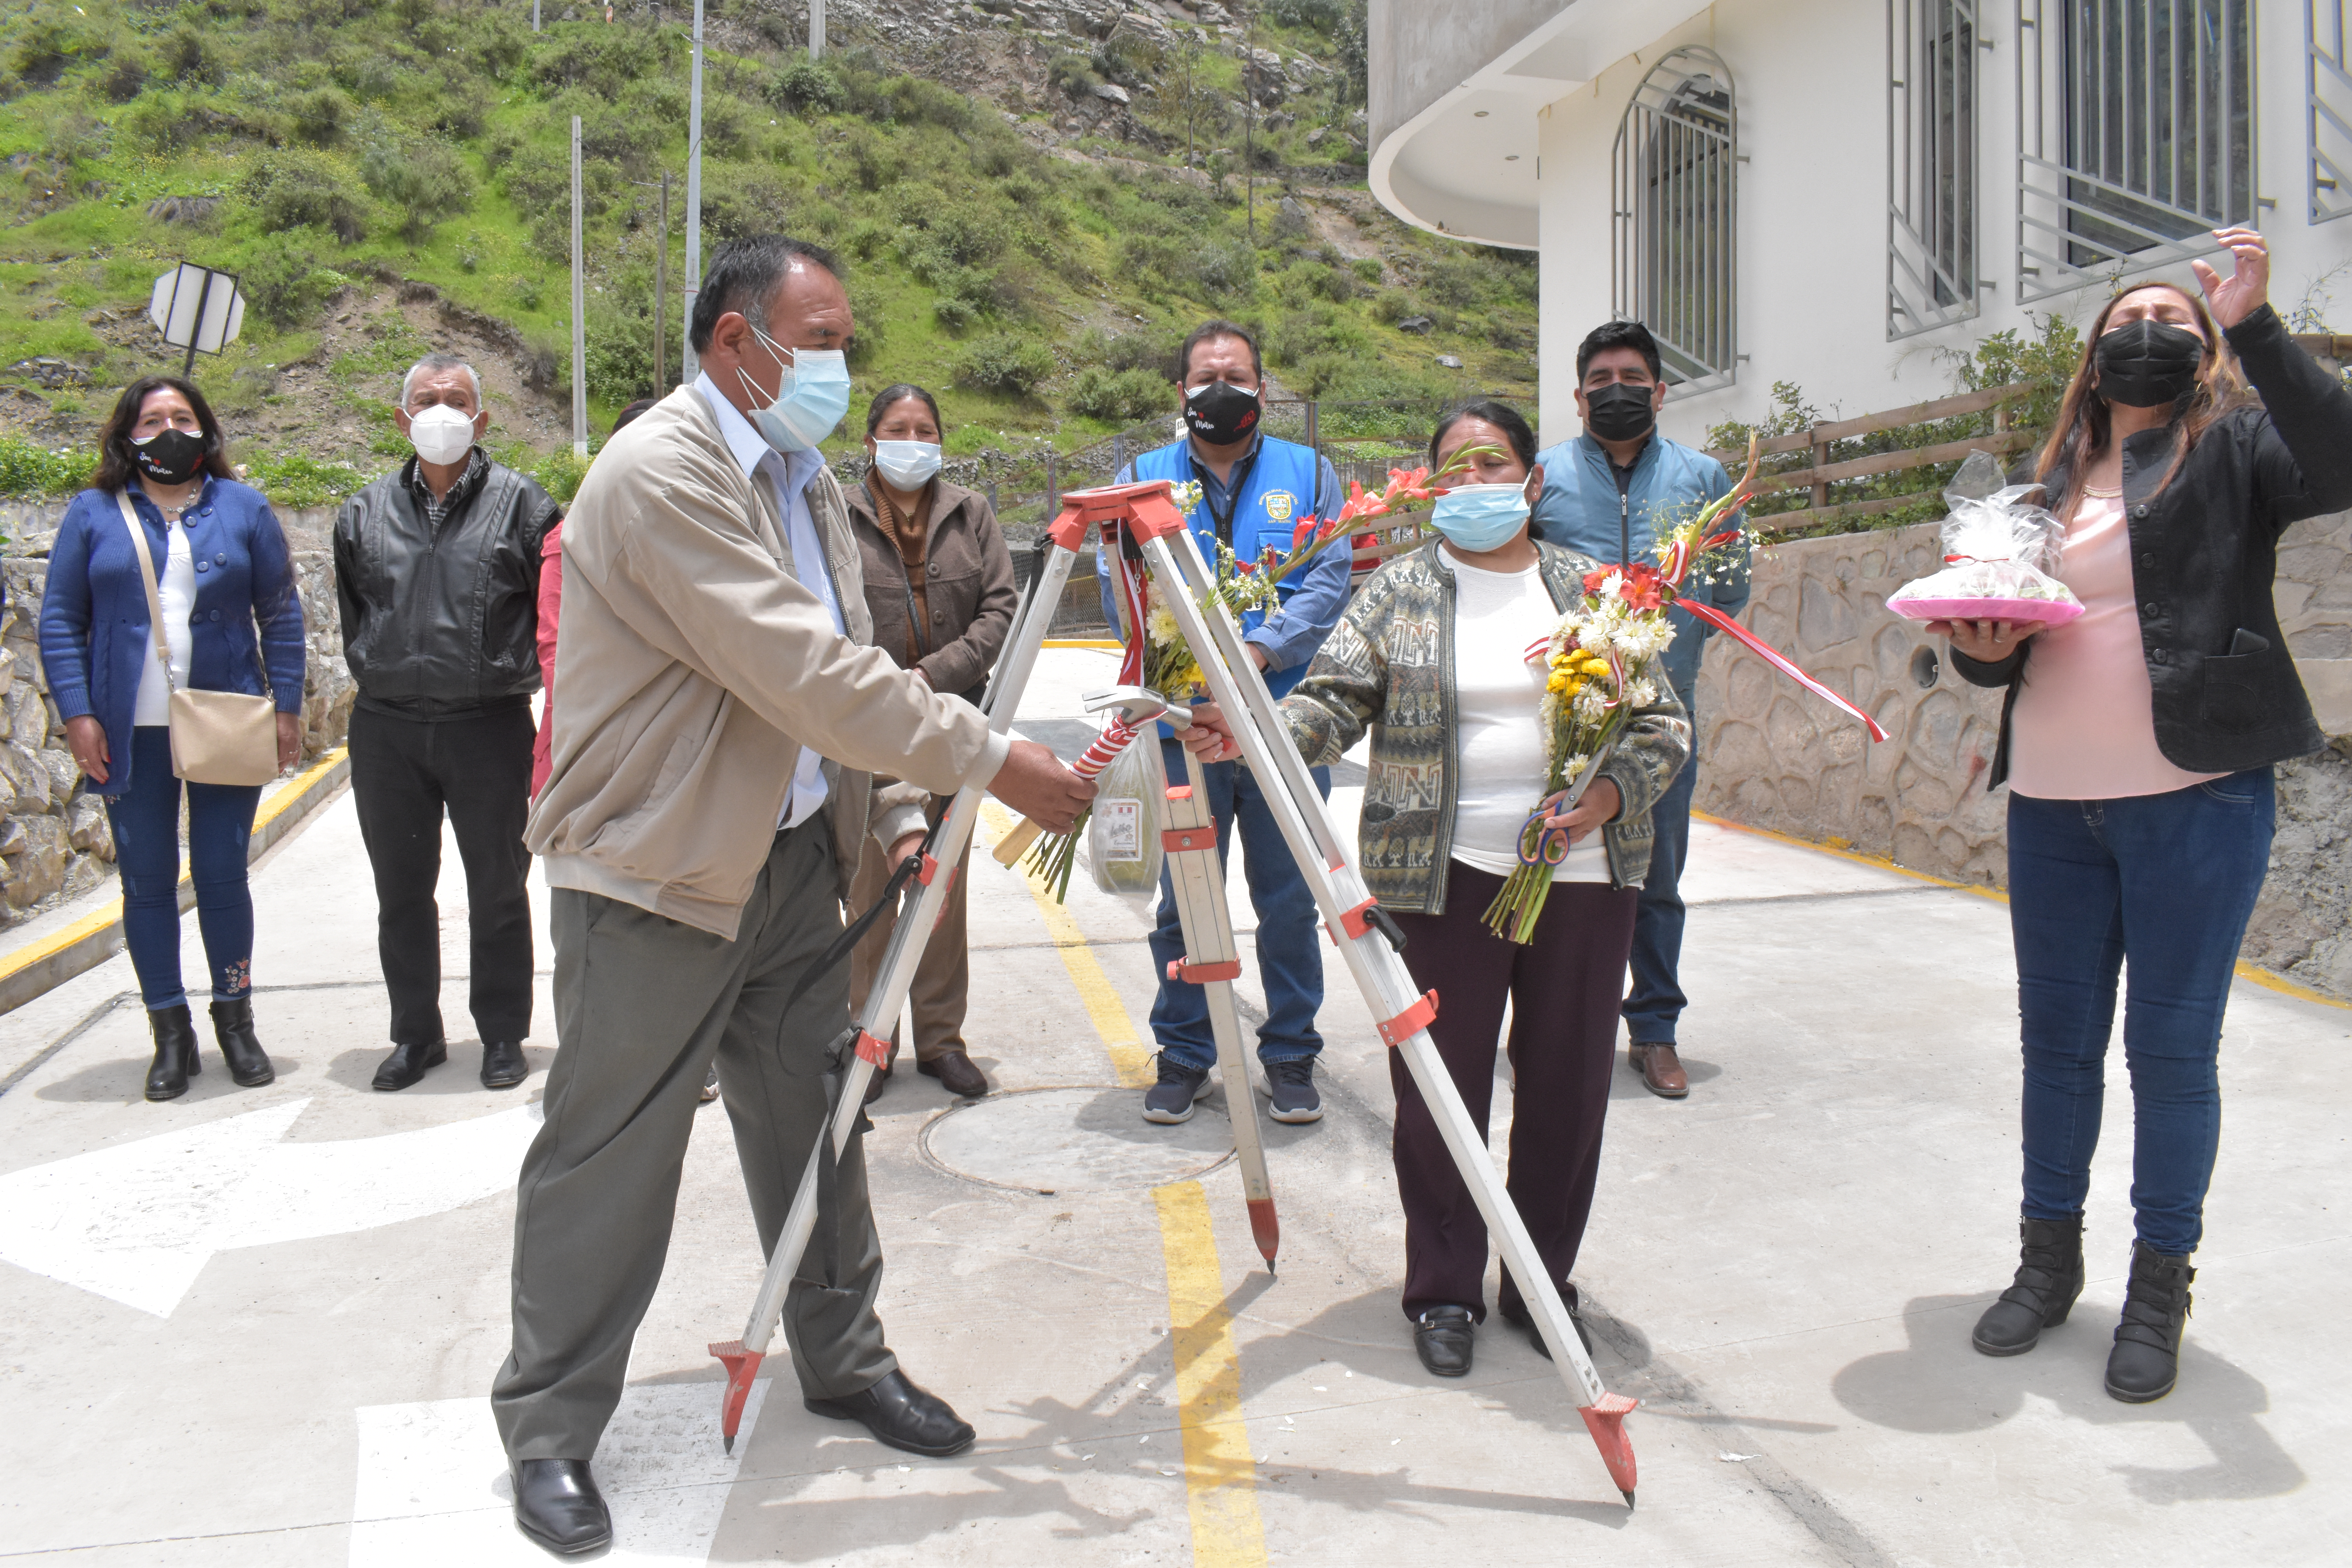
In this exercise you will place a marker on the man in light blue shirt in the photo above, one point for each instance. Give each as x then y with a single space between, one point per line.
789 474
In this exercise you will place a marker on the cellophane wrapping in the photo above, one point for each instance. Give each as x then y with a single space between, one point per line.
2000 552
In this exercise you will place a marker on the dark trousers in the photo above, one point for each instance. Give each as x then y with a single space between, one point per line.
145 819
1562 988
405 772
1655 1003
1289 941
641 1004
2163 883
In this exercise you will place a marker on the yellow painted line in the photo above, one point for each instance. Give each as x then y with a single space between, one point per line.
2252 973
1128 1056
103 919
1080 642
1220 1478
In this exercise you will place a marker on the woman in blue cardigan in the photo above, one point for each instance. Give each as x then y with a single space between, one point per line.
222 571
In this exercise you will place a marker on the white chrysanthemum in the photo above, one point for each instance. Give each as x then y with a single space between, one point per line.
1644 693
1591 704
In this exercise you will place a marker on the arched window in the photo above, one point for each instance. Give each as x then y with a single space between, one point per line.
1676 196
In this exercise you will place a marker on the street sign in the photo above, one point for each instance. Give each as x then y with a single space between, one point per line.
196 308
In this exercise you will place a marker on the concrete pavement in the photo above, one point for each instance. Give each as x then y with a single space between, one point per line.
257 1326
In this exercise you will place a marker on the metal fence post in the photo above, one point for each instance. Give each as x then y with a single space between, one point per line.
1053 487
1313 433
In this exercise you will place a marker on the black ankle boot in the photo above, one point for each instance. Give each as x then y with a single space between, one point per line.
2145 1360
239 1047
2048 1277
175 1052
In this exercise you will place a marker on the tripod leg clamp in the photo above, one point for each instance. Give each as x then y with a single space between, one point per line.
1176 840
1202 974
874 1052
1410 1022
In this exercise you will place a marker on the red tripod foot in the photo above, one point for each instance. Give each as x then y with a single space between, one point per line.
1264 1229
1605 1419
743 1365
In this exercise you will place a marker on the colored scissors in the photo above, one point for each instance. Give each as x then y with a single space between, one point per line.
1542 845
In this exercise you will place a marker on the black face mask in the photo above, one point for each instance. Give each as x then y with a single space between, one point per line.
171 457
1619 412
2147 364
1221 413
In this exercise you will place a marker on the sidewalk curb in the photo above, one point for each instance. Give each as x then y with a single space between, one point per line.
42 966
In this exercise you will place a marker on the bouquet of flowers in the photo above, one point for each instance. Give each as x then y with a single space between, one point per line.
1602 660
1998 553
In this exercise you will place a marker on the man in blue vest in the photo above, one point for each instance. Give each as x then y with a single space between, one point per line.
1254 492
1609 493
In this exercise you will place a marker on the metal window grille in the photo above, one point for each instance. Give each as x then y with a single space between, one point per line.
1674 190
2136 135
2328 89
1931 164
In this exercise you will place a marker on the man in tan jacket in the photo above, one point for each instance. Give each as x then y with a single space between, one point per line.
703 816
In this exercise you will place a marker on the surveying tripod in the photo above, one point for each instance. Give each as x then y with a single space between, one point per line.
1367 937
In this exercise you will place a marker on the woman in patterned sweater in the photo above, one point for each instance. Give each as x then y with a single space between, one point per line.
1431 659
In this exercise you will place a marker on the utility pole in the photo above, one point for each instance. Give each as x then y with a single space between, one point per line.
1249 124
661 283
661 290
687 363
579 313
534 15
816 29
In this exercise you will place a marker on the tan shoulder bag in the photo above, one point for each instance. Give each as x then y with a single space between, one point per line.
217 737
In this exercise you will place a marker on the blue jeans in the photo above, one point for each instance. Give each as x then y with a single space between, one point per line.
146 823
2165 882
1288 963
1655 1003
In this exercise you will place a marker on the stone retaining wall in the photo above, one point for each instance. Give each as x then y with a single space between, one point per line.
1772 757
54 839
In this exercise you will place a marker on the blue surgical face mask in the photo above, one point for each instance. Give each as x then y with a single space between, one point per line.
908 465
1479 517
810 398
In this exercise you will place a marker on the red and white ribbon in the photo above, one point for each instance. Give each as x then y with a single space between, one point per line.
1772 656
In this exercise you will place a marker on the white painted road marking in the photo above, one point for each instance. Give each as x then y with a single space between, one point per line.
433 1485
138 1222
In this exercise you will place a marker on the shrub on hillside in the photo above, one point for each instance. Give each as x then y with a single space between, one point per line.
425 181
295 189
1073 73
1117 396
283 282
189 57
1005 361
806 87
321 116
124 79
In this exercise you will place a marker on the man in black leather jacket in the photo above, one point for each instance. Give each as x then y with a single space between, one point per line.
436 571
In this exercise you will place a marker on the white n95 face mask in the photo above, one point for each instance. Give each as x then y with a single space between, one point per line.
907 465
441 433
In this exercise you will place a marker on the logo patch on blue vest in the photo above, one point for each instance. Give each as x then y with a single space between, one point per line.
1280 505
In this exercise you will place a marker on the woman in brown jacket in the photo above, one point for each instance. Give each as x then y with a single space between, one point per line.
938 581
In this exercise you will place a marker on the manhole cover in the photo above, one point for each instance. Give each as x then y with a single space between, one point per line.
1074 1140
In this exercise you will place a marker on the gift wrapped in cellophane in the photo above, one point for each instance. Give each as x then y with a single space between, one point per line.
2000 550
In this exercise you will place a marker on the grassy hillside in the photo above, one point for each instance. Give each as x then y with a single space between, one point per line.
1021 242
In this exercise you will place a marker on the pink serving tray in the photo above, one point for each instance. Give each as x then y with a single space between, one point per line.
2051 612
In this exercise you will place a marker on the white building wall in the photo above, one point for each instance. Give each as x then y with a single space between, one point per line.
1811 78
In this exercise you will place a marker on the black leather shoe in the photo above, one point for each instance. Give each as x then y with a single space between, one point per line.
2146 1362
2049 1278
408 1063
502 1064
956 1074
239 1047
1517 1314
175 1052
903 1415
876 1084
557 1504
1441 1335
